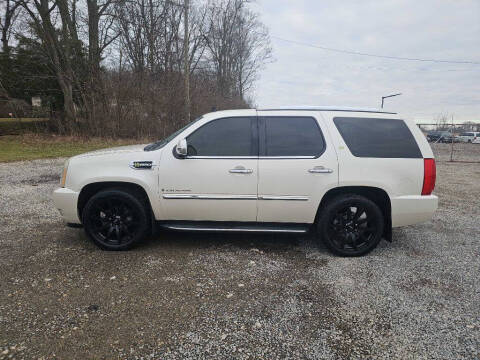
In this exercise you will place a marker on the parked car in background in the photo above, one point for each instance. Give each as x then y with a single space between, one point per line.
469 137
348 175
440 136
477 140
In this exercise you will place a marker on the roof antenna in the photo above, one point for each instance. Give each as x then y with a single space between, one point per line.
388 96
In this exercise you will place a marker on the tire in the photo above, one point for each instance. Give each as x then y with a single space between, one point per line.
116 219
346 232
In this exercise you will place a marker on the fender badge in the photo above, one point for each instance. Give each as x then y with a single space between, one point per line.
141 165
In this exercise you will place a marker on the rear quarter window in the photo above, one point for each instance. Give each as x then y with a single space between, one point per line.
377 138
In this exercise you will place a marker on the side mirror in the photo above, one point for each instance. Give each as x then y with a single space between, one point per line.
182 148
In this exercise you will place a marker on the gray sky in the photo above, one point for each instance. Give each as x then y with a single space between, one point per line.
433 29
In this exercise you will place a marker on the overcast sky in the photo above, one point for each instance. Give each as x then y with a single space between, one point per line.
433 29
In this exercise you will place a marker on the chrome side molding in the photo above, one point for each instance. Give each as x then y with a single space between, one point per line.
209 197
286 197
234 197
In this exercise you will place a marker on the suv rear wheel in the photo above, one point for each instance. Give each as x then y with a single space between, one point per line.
115 219
351 225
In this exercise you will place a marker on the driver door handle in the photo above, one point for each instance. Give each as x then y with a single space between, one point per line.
240 170
320 170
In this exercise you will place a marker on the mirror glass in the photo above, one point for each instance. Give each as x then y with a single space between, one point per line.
181 148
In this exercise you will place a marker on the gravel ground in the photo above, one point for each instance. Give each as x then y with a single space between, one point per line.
461 152
190 296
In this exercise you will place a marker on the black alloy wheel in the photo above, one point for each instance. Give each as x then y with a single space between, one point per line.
351 225
115 219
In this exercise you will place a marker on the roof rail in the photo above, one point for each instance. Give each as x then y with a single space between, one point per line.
328 108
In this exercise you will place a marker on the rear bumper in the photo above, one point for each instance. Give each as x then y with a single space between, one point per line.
66 202
413 209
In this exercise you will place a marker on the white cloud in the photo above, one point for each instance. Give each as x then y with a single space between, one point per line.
440 29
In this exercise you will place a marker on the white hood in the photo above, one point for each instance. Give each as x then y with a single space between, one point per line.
115 150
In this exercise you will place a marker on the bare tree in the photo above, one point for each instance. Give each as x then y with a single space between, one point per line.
100 33
60 49
10 10
165 61
222 17
252 50
238 46
441 120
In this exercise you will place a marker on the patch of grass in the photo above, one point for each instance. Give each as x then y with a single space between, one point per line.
21 120
16 126
31 146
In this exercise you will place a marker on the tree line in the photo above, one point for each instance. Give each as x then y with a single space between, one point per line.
131 67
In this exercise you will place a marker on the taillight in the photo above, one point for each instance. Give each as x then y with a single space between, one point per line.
429 176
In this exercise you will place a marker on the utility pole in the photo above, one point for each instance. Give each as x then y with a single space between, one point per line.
452 139
186 45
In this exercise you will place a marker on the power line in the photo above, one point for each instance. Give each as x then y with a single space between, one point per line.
376 55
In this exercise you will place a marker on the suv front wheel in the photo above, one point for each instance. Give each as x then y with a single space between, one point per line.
351 225
116 219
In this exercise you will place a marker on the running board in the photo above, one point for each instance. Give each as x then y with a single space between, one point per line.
235 226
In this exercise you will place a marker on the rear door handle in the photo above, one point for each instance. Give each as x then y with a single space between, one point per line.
240 170
320 170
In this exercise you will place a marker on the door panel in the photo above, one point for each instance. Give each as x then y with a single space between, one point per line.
206 189
204 186
299 171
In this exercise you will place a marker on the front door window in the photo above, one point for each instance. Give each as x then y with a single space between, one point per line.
224 137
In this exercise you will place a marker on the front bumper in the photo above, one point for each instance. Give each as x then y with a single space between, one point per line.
66 202
413 209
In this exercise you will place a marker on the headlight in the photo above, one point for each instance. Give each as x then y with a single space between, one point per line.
64 174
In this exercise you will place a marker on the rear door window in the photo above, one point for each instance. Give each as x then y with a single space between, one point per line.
287 136
377 138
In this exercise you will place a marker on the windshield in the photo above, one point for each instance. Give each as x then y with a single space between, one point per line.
161 143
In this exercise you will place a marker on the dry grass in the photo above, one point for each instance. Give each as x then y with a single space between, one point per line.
21 120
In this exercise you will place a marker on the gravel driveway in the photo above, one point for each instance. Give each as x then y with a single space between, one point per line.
189 296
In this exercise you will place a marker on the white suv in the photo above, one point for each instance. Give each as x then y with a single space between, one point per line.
469 137
348 174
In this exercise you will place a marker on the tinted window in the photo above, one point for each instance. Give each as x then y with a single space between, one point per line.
381 138
224 137
292 136
466 134
159 144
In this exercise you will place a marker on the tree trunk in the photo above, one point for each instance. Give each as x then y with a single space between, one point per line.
93 39
7 23
5 47
68 103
